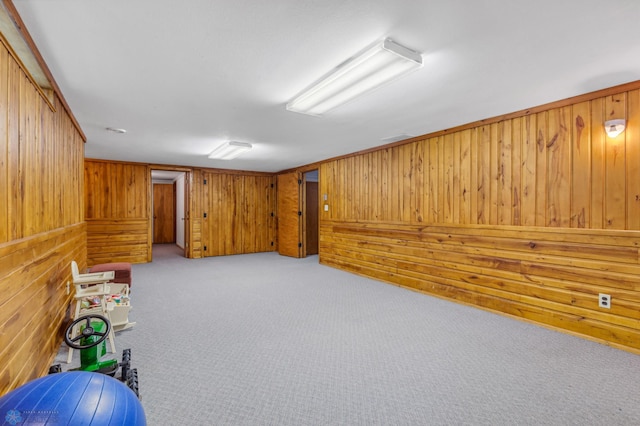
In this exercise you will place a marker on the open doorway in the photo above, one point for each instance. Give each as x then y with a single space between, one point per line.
169 215
312 202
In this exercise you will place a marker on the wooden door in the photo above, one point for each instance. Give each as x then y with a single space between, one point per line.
311 215
164 222
289 215
180 186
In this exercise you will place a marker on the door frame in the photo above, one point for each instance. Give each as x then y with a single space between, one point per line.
305 213
188 172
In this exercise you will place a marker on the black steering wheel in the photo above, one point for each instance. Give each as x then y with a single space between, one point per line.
88 331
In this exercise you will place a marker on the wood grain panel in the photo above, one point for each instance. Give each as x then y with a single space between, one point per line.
484 176
35 273
240 212
464 176
41 223
528 161
117 240
473 176
117 211
408 171
494 172
194 231
551 277
556 168
540 188
433 188
632 136
598 165
516 172
4 147
538 197
559 169
116 190
581 170
504 175
289 223
615 163
448 184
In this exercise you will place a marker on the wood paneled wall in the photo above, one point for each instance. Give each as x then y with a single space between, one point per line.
532 216
554 168
117 208
240 212
117 211
195 215
41 223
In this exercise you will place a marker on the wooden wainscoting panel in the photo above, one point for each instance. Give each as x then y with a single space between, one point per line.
117 240
34 301
544 275
196 238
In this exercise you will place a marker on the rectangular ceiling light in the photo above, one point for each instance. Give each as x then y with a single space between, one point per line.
230 150
379 64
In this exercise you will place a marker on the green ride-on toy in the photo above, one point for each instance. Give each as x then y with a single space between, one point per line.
91 342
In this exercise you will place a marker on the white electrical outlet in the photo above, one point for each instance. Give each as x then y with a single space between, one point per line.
604 300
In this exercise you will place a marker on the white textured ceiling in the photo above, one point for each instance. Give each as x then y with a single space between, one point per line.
183 76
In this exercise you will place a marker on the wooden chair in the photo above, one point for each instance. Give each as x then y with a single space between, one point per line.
93 285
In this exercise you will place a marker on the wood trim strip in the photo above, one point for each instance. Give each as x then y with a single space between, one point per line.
178 168
483 230
24 243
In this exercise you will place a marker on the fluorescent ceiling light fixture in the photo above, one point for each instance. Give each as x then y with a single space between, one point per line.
381 63
230 150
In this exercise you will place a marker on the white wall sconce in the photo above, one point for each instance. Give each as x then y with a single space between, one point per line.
230 150
614 127
378 64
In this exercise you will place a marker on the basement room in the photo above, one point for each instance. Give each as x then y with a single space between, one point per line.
382 212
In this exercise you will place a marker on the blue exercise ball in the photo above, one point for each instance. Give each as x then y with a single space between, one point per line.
72 398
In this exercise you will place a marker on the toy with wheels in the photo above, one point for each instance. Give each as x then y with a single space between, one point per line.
73 398
94 329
